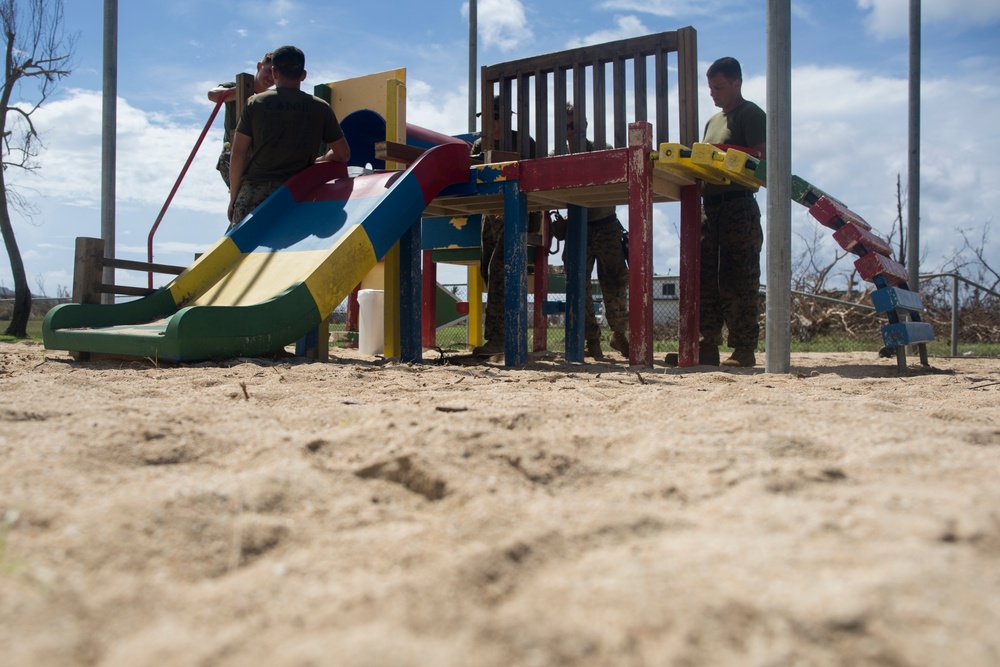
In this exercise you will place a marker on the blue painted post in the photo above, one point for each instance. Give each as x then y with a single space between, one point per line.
515 274
410 344
575 257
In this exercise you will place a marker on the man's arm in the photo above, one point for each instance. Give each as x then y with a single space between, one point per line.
215 94
337 151
237 165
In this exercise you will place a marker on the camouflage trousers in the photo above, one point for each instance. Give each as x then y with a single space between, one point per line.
604 250
731 240
223 164
491 266
250 196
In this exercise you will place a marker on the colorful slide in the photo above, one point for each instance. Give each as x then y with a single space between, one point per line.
276 275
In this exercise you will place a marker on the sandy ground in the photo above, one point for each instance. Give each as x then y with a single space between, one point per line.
368 513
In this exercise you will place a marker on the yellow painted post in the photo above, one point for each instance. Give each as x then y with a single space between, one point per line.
395 130
475 307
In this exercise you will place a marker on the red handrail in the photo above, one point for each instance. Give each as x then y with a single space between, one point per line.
149 240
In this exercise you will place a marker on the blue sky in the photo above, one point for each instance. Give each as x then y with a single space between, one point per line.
849 114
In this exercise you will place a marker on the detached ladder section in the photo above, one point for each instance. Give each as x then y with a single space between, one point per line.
876 265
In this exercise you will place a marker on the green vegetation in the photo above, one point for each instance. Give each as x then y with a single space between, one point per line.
34 331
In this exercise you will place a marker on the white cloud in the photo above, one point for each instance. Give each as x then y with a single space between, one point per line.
887 19
625 27
150 153
503 24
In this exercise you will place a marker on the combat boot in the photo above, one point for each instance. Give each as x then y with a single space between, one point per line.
489 348
742 357
708 355
594 349
619 342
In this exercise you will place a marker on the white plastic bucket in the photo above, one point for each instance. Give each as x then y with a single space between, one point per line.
371 327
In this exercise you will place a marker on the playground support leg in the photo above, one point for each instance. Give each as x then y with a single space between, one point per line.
391 318
575 257
409 295
429 301
640 259
690 299
515 274
475 323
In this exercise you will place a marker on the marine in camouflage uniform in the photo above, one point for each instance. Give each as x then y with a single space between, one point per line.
262 81
491 265
278 134
605 251
731 235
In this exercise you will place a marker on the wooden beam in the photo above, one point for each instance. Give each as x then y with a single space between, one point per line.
392 151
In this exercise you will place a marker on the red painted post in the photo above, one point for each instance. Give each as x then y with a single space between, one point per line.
429 289
640 250
690 300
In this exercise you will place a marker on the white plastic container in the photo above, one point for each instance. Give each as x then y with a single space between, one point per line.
371 323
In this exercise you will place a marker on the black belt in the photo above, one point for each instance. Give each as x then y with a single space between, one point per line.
728 196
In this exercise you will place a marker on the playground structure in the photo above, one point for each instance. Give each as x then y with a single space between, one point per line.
275 278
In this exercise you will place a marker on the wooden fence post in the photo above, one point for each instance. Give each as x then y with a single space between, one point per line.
88 270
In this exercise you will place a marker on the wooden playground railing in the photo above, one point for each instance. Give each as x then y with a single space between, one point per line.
88 272
518 82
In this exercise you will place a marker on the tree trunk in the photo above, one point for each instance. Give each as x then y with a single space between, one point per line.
22 295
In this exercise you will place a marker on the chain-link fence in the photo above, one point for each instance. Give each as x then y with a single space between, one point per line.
39 305
965 317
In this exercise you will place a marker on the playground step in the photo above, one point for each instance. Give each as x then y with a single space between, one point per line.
735 168
676 159
833 214
858 240
907 333
896 300
804 192
874 265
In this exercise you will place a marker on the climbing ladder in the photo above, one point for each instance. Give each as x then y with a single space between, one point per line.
874 263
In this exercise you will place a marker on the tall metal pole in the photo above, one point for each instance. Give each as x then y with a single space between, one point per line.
913 179
473 46
109 138
779 186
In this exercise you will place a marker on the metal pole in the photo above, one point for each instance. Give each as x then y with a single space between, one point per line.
913 180
779 186
954 315
109 138
473 37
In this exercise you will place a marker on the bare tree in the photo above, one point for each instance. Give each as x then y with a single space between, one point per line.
37 52
979 269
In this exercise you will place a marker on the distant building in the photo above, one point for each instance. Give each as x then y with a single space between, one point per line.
666 299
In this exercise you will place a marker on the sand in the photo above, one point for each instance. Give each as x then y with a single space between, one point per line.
361 512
